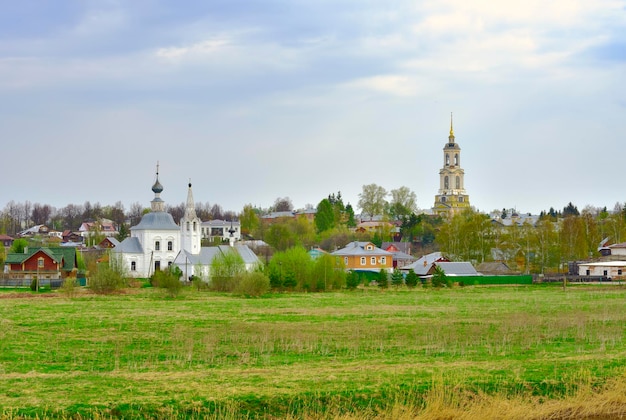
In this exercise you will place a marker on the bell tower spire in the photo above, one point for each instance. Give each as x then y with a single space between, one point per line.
451 137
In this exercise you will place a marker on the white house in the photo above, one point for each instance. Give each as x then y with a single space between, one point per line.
221 229
612 269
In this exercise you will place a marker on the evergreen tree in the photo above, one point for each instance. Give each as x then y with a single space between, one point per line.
325 216
397 279
350 221
411 279
382 279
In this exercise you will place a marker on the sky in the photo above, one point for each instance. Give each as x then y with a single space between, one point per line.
256 100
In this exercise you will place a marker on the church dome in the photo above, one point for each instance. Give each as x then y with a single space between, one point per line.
157 188
156 220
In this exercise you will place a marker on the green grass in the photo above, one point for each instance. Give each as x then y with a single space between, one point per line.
143 355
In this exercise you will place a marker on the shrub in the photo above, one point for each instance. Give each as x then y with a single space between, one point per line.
68 288
253 284
198 283
226 270
168 280
34 284
106 280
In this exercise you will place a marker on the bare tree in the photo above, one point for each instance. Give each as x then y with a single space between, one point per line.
283 204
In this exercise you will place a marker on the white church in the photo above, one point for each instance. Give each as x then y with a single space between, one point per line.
157 242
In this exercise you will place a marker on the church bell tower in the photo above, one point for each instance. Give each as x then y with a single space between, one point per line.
190 226
451 196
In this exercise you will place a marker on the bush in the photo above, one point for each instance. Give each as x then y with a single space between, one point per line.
168 280
198 283
224 283
33 284
253 284
106 280
68 288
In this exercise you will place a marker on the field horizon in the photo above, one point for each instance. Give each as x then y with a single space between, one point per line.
363 354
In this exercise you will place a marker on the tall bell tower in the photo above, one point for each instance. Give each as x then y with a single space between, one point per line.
190 226
451 196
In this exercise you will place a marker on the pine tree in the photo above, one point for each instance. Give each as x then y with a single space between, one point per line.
397 279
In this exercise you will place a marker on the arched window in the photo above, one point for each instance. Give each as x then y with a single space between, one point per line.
458 182
446 183
447 159
157 246
170 245
443 199
187 226
194 226
456 159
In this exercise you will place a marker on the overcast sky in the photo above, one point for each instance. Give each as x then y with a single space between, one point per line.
254 100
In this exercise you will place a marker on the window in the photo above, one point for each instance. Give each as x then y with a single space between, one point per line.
133 266
187 224
157 246
195 228
443 199
619 271
362 260
169 263
446 183
458 182
606 273
157 265
345 260
588 272
170 245
447 159
373 260
383 260
456 159
40 262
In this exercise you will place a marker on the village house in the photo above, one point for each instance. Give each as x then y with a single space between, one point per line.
365 256
46 264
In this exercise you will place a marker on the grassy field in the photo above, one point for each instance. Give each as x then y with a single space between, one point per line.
471 352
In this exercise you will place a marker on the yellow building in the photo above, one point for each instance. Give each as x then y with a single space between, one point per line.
452 196
365 256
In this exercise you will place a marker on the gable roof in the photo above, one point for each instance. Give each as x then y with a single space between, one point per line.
208 253
67 256
361 248
400 246
495 267
423 264
457 268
